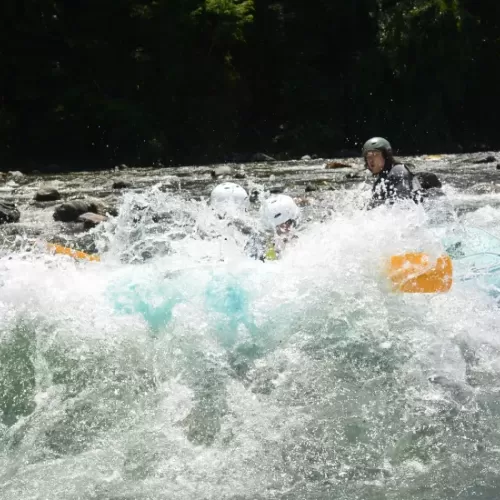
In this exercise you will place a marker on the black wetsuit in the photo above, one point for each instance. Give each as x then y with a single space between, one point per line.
395 182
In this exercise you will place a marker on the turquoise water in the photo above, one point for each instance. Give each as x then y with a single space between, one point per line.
476 256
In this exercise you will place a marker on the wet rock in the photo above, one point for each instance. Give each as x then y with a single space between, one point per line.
8 212
47 194
121 185
310 188
16 178
240 175
488 159
223 171
337 164
3 177
71 210
16 174
352 175
498 166
258 157
277 189
113 211
91 220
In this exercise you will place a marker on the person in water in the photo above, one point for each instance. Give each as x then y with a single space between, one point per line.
229 199
230 204
280 214
394 180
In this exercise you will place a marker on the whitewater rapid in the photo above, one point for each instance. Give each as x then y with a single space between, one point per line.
178 368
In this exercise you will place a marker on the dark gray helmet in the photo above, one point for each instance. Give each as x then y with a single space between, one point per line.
378 144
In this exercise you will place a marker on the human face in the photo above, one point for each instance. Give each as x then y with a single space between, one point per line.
285 227
375 161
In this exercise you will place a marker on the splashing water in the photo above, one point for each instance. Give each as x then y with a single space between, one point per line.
179 368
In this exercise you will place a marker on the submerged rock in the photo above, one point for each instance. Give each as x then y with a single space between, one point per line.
337 164
121 185
16 174
488 159
71 210
8 212
47 194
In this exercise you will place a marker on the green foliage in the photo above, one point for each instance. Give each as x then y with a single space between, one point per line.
197 80
230 16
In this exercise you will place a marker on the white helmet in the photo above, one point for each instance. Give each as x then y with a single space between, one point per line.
229 195
279 209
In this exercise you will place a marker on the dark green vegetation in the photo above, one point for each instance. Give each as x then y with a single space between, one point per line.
181 81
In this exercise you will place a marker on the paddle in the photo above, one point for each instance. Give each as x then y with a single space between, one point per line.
417 273
76 254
